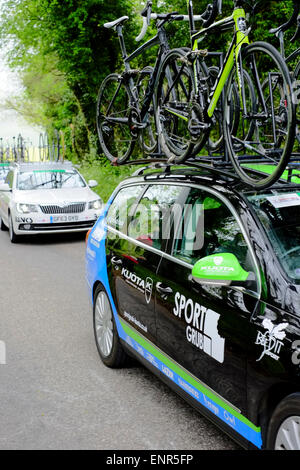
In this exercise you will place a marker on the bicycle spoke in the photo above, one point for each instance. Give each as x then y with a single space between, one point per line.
265 130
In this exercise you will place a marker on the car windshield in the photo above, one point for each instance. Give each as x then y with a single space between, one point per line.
279 212
49 179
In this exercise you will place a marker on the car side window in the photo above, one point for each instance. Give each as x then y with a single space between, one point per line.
208 227
122 205
150 221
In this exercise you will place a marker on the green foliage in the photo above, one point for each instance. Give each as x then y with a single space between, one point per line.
63 52
108 176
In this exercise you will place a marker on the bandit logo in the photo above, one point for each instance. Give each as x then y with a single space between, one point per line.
271 340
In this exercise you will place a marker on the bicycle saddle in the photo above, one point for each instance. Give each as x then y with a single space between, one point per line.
117 22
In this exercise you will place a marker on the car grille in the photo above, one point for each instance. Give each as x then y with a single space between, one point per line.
61 226
74 208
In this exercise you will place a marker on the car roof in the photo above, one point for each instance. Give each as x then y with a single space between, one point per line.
39 166
201 174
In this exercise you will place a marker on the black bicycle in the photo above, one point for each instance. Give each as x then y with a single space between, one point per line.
292 58
125 106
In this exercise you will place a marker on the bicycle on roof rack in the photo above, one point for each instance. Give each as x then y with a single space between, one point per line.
258 122
294 56
125 108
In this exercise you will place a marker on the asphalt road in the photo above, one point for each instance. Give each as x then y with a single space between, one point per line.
54 391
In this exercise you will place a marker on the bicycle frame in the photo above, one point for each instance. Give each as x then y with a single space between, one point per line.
159 39
238 21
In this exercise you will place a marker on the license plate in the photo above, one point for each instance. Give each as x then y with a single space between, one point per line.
63 218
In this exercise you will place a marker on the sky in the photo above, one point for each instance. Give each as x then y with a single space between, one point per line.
12 124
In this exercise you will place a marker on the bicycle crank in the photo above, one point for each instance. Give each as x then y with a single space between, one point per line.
135 123
196 123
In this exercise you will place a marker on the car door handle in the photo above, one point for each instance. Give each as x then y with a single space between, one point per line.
163 290
116 261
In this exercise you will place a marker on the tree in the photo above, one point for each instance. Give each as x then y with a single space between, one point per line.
63 52
71 34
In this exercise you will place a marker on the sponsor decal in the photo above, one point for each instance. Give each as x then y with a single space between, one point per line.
91 252
134 320
190 385
296 353
98 233
271 339
284 200
24 220
143 285
242 25
148 289
202 326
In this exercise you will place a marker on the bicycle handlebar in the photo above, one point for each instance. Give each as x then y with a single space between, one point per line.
211 12
208 17
284 27
148 16
297 33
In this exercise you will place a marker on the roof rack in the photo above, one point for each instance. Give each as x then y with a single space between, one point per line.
217 166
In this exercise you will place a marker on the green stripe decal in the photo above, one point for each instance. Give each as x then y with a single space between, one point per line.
253 434
49 171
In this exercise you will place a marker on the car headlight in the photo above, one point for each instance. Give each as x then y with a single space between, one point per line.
26 208
97 204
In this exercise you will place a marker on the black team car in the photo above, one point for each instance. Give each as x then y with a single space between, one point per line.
198 277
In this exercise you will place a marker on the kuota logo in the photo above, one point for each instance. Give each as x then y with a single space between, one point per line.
148 289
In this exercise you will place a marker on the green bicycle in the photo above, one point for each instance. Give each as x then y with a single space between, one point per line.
258 121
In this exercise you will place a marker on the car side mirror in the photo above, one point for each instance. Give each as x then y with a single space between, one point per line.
5 187
221 269
92 183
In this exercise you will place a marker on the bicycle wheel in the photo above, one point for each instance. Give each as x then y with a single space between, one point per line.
113 111
173 99
261 146
148 137
296 95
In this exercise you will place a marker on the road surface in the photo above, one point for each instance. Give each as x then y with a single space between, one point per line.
54 391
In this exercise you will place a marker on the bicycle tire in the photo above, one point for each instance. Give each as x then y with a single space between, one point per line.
296 91
261 149
173 133
148 136
116 140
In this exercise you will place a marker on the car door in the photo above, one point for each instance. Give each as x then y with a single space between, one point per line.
135 250
204 328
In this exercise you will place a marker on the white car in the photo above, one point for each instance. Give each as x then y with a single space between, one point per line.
46 198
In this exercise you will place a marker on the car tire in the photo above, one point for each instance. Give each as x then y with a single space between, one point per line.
13 237
3 227
105 331
284 427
